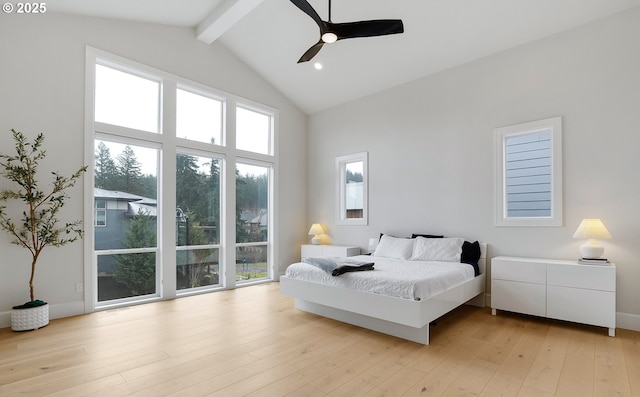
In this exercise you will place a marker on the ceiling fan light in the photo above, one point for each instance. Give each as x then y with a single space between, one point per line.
329 37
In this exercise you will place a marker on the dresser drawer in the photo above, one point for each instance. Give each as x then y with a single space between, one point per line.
519 297
334 250
582 305
582 276
319 251
311 251
515 269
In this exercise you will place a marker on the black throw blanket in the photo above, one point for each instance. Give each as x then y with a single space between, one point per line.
338 266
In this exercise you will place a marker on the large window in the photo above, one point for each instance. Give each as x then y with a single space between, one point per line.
165 175
529 174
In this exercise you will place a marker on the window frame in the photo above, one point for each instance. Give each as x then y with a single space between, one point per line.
501 135
169 145
341 189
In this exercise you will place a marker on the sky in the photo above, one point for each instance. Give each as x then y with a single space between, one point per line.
198 116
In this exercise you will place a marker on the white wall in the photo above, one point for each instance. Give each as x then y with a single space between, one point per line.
431 155
42 60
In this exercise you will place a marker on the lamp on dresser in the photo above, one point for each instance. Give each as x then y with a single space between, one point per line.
316 231
591 229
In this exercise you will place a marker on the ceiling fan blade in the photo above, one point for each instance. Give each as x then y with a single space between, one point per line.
307 9
311 52
378 27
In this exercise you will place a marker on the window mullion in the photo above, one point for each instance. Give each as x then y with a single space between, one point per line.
167 183
228 242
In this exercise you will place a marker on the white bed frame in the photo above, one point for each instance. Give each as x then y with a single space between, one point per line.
404 318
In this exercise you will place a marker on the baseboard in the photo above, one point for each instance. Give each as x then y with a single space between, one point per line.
628 321
5 319
623 320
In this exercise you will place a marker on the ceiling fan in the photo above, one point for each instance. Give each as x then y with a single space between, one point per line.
331 32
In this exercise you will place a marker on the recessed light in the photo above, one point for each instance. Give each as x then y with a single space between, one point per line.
317 65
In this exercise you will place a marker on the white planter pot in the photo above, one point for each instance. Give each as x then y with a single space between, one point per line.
30 318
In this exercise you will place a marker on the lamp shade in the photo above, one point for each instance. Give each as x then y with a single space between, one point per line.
316 229
592 229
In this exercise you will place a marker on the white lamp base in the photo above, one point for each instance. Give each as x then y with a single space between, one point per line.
591 249
316 240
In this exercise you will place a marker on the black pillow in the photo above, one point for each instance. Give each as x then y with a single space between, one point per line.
426 236
382 234
471 255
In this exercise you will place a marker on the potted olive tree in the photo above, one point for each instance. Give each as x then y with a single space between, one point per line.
33 222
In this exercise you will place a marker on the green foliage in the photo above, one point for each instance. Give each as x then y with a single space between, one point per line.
138 271
38 226
129 170
354 177
251 195
198 193
122 174
106 173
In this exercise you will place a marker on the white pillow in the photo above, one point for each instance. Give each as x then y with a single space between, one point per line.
437 249
394 247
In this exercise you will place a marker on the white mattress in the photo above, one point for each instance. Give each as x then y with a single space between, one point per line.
399 278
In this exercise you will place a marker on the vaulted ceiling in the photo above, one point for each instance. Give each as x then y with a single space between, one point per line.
271 35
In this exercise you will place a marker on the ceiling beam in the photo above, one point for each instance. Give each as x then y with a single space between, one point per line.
223 18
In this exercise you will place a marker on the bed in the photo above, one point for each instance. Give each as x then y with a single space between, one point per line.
401 315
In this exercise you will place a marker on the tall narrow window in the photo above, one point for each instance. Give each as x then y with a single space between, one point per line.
197 222
252 222
126 245
352 189
529 174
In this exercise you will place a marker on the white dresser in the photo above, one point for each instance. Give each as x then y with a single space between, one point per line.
563 290
318 251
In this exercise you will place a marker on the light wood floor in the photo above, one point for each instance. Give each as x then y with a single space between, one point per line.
251 341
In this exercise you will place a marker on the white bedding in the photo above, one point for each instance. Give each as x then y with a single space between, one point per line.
414 280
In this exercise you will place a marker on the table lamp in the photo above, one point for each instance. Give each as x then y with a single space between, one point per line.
316 231
591 229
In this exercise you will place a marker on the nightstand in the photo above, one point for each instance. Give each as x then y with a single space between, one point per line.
563 290
318 251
